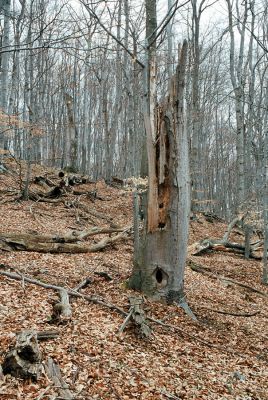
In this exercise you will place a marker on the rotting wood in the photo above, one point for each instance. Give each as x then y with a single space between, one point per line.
230 227
249 250
53 372
24 360
159 263
59 245
71 292
43 181
47 335
205 245
72 237
138 316
62 311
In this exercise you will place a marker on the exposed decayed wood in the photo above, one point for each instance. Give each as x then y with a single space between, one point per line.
218 245
24 360
159 263
53 372
137 316
152 210
69 238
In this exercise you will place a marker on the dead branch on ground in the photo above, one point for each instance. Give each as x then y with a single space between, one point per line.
206 270
53 372
113 307
60 244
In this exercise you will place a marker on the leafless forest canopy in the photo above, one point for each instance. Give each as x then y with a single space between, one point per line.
73 89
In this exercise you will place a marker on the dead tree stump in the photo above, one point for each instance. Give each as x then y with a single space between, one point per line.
137 317
24 360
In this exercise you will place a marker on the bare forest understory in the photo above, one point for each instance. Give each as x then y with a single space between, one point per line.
65 259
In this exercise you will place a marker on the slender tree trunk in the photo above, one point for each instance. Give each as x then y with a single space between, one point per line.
237 79
72 133
149 77
265 197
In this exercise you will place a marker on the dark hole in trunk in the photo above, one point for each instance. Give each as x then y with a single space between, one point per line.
161 205
159 275
161 225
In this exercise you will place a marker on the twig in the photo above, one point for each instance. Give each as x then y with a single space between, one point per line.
200 268
235 314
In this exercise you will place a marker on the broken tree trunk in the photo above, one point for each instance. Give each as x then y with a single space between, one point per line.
62 310
24 360
137 317
160 261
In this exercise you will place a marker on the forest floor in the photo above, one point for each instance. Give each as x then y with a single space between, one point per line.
220 356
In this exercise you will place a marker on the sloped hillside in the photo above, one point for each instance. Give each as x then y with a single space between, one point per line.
222 355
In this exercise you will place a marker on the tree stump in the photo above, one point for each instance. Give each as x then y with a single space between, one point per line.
24 360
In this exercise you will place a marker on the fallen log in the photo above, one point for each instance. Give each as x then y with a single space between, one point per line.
43 181
47 335
104 275
24 244
24 360
247 249
72 237
83 284
54 374
203 246
71 292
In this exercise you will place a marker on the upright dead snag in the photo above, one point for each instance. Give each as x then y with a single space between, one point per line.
159 264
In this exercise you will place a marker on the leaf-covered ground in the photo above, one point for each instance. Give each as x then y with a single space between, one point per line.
219 357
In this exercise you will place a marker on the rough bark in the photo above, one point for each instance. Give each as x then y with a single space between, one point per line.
72 137
137 316
159 267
